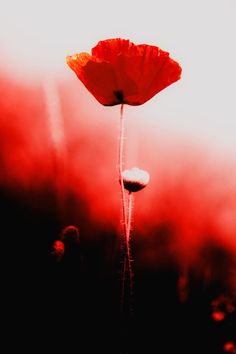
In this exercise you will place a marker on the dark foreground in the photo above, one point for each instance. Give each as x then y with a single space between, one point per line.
73 305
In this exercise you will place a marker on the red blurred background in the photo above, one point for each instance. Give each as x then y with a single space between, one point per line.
58 168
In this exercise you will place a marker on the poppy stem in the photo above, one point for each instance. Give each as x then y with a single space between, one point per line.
126 260
183 281
120 166
129 220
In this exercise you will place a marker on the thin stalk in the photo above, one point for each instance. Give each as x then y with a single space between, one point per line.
126 259
120 169
129 220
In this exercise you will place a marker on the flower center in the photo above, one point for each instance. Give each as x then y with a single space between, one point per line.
119 95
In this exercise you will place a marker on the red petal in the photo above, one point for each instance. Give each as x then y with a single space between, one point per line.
97 76
77 61
109 49
153 69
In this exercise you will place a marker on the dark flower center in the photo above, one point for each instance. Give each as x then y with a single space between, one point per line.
119 95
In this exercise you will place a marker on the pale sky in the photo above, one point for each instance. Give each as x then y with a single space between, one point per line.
36 36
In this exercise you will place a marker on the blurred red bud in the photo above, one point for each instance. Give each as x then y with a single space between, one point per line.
70 234
229 347
218 316
58 249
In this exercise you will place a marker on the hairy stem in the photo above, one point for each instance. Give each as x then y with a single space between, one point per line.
126 259
129 220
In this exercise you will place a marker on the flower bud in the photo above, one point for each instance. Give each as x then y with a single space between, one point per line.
58 249
135 179
70 234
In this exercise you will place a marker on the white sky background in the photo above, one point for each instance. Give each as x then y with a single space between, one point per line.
36 36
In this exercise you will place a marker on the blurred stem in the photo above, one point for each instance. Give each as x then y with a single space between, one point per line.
57 140
183 282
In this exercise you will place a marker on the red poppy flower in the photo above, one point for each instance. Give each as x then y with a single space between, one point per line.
120 72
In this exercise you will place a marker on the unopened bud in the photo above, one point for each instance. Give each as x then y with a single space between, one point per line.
135 179
70 234
58 249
